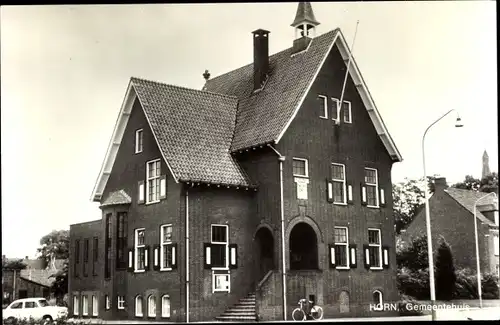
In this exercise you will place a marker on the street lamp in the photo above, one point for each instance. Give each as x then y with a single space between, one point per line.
479 289
427 215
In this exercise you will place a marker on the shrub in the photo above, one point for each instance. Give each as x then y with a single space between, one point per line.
403 306
466 285
445 272
414 283
413 255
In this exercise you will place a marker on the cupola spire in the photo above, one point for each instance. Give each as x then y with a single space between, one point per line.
304 23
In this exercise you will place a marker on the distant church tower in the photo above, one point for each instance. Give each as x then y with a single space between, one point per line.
486 165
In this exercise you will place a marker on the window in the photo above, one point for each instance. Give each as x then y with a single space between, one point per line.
346 112
220 246
138 306
151 306
341 249
496 217
121 302
377 300
221 282
17 305
77 257
344 302
335 104
323 106
43 303
165 306
300 167
76 302
95 252
121 240
153 170
30 304
140 250
95 306
375 248
167 251
85 305
85 257
338 179
139 135
107 302
107 262
495 244
371 181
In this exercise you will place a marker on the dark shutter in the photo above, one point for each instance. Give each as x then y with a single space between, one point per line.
156 257
173 247
331 256
329 191
362 189
140 192
353 256
233 256
366 256
163 187
130 260
207 255
385 257
147 257
350 199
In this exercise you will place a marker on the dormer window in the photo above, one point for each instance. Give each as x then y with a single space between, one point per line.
138 141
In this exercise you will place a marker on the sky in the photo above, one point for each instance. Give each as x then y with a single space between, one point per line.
65 70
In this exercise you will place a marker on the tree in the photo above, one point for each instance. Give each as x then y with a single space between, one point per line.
445 271
486 184
470 183
54 245
13 264
60 285
413 255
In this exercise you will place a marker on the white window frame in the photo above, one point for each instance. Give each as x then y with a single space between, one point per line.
346 244
151 301
325 103
380 305
163 246
139 134
107 302
165 312
148 179
336 102
225 243
136 250
377 198
76 305
379 245
120 302
85 305
306 167
495 213
138 311
344 187
95 306
350 112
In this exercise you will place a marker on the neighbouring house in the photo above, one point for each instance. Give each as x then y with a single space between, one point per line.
235 201
33 281
452 216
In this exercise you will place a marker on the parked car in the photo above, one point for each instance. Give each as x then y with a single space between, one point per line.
35 308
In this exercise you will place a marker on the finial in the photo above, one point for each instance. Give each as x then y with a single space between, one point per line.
206 75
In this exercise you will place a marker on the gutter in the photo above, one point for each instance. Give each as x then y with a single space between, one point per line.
187 256
282 213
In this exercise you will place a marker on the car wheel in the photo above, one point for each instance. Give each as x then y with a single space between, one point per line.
11 320
47 320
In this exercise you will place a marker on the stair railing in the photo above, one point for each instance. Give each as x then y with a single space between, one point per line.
258 292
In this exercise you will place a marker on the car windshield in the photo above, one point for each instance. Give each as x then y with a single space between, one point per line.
43 303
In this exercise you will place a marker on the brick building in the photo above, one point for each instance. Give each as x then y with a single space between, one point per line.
452 216
239 199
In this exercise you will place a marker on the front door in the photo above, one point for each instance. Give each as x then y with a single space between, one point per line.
265 249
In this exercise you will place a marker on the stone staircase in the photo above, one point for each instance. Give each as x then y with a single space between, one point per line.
244 310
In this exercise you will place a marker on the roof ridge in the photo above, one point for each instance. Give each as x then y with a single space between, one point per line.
184 88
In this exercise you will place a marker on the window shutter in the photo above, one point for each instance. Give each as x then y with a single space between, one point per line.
352 256
331 249
349 194
140 192
363 194
233 256
385 257
173 247
146 257
329 191
382 197
366 253
207 256
156 257
163 187
130 266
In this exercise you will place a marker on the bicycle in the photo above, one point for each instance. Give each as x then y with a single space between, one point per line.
316 312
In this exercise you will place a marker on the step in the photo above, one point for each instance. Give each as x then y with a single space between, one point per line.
246 302
236 318
244 310
250 314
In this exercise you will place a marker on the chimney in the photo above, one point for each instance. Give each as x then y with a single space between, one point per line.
300 44
260 57
206 75
440 184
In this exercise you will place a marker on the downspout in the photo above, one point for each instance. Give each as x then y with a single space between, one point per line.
14 287
282 212
187 256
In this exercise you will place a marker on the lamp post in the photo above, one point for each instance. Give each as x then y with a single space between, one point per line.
479 289
427 215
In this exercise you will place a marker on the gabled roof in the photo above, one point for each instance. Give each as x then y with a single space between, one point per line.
42 277
265 116
468 198
117 197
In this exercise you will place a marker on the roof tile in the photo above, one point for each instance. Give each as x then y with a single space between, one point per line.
117 197
468 198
